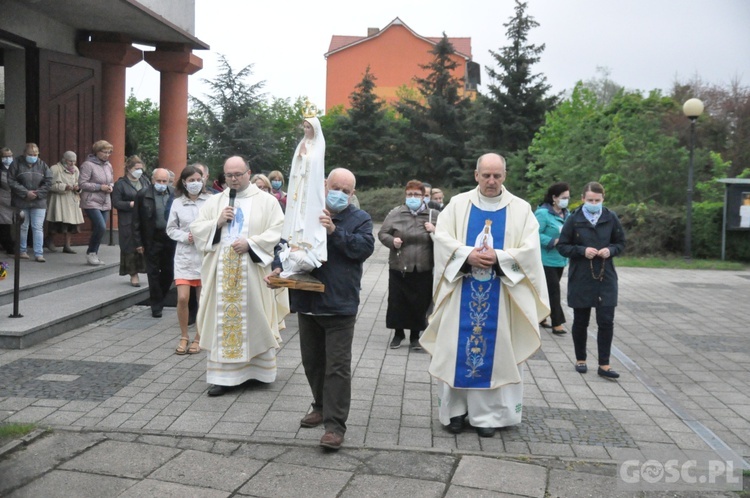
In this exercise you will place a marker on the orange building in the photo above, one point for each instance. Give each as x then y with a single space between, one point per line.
394 55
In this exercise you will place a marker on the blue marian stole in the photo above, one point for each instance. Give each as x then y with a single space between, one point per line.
480 303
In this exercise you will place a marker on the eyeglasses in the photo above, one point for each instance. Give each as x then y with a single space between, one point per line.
234 175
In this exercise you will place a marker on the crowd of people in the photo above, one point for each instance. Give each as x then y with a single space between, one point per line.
472 280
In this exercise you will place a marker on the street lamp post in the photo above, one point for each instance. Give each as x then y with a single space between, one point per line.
692 109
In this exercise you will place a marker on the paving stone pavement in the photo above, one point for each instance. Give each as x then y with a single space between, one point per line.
128 417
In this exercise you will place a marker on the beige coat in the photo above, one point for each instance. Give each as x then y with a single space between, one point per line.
64 205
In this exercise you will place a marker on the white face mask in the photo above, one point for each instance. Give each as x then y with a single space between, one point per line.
136 173
194 188
7 161
563 203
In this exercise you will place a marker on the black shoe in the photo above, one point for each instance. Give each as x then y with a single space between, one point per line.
415 346
559 331
457 424
485 431
396 342
608 374
156 314
217 390
581 368
545 325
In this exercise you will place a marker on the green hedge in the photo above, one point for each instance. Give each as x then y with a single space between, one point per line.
651 230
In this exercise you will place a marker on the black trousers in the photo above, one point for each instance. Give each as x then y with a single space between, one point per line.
553 275
6 240
605 322
159 268
326 347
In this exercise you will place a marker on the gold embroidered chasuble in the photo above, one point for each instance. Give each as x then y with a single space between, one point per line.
239 315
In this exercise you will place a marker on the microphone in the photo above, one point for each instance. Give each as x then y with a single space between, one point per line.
232 196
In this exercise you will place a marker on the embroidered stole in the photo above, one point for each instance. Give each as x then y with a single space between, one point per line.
232 292
480 307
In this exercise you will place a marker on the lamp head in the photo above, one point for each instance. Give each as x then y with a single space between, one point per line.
693 108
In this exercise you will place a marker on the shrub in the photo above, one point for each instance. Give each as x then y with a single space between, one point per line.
651 229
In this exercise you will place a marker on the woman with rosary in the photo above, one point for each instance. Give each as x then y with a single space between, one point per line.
591 236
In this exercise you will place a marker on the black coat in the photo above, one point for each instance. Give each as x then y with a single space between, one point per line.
122 194
144 216
584 289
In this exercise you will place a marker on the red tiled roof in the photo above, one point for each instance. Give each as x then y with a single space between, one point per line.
461 45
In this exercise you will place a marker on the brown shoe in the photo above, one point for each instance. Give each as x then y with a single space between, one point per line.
312 419
331 440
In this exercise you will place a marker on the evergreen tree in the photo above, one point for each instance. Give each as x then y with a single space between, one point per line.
436 120
518 99
360 139
142 130
233 119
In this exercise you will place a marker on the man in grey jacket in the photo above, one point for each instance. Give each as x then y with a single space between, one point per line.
30 180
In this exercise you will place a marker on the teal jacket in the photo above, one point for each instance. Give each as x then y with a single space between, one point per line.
550 224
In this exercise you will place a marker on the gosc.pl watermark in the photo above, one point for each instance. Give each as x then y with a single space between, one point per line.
680 475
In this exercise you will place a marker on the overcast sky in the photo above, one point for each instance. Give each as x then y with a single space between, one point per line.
646 44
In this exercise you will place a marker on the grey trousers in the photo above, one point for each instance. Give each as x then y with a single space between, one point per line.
326 347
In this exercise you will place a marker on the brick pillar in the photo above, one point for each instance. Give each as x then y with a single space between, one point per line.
116 56
175 62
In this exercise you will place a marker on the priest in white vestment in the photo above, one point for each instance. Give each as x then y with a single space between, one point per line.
238 314
490 294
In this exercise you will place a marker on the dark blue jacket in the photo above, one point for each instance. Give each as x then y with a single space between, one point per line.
585 289
348 247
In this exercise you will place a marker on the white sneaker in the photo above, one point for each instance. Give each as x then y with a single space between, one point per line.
92 259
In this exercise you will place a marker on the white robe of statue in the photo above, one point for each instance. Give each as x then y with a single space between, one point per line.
305 236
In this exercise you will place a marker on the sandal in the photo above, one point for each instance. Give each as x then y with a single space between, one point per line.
182 349
195 347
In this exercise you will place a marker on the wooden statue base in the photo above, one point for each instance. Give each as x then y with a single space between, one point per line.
299 281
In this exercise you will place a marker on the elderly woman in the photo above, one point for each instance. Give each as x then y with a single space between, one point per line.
97 182
277 183
407 232
123 198
30 179
63 210
262 182
190 195
6 211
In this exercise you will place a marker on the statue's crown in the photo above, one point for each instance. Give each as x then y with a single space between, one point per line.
310 110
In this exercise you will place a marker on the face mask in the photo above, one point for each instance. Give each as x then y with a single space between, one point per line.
32 159
413 203
276 184
7 161
563 203
337 200
592 208
136 173
194 188
160 187
426 199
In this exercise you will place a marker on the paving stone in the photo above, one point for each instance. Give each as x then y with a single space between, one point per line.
151 487
63 483
227 473
455 491
397 487
284 480
583 485
502 476
121 459
42 456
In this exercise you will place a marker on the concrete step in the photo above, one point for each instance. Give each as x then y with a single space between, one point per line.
62 307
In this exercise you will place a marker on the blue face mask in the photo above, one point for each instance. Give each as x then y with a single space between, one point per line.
160 187
32 159
337 200
413 203
592 208
7 161
275 184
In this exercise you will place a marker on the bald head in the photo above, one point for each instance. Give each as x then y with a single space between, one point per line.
490 174
160 175
339 175
236 172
